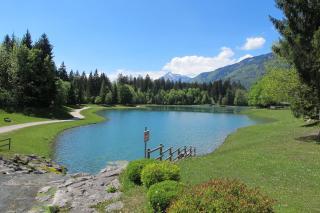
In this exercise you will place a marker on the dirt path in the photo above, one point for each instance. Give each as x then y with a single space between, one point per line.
76 116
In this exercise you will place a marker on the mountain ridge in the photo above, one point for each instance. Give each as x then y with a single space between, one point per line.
247 71
175 77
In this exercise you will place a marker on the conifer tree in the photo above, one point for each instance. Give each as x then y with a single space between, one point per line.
300 45
26 40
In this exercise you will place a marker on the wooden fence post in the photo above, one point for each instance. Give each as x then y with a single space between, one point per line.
178 153
161 149
185 151
170 153
194 151
148 153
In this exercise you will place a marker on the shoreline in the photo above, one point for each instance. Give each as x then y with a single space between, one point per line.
255 121
92 116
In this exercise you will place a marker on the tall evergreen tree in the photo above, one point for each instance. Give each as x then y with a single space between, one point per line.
72 99
62 72
7 43
26 40
44 45
45 71
300 43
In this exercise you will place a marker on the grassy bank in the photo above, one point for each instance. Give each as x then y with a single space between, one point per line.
39 139
268 156
17 118
35 114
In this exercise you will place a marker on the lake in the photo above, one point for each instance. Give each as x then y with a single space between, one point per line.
90 148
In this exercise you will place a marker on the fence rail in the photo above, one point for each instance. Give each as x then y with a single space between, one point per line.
169 154
6 142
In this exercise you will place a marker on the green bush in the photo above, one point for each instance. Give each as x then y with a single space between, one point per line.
111 189
222 196
157 172
161 194
134 169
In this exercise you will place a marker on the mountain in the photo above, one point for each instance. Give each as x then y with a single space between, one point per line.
247 71
176 77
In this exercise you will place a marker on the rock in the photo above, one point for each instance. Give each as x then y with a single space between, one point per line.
45 189
30 164
115 183
76 175
77 192
114 206
44 198
61 198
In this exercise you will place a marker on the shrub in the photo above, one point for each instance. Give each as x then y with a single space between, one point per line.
222 196
111 189
161 194
155 173
134 168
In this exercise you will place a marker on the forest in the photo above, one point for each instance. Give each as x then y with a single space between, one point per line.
29 77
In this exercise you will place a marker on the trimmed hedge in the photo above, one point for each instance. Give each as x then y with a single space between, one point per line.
161 194
222 196
157 172
134 169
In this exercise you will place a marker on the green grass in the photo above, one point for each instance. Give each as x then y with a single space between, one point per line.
17 118
35 114
267 156
39 139
134 197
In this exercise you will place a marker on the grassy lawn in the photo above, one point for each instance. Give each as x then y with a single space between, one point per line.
267 156
39 139
33 115
17 118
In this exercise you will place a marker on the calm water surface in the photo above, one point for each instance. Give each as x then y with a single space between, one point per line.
90 148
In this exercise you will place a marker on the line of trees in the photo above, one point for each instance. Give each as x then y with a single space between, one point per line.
30 78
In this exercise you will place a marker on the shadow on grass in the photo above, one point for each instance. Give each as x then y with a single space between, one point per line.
50 112
314 138
311 124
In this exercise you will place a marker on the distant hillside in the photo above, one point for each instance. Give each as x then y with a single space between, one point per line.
247 71
176 77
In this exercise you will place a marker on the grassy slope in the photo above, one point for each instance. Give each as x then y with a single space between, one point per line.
266 156
17 118
39 139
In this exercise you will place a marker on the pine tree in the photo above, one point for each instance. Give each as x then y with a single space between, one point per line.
72 99
7 43
62 72
114 94
26 40
44 45
45 72
103 91
300 43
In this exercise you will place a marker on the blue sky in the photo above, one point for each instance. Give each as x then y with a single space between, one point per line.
146 36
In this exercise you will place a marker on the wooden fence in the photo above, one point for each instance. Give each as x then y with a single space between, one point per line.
170 154
5 142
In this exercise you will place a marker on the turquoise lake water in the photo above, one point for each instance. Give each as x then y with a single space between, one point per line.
90 148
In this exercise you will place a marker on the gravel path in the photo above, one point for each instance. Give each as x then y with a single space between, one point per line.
76 116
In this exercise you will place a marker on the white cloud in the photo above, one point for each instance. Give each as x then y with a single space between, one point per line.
187 65
194 65
245 57
254 43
